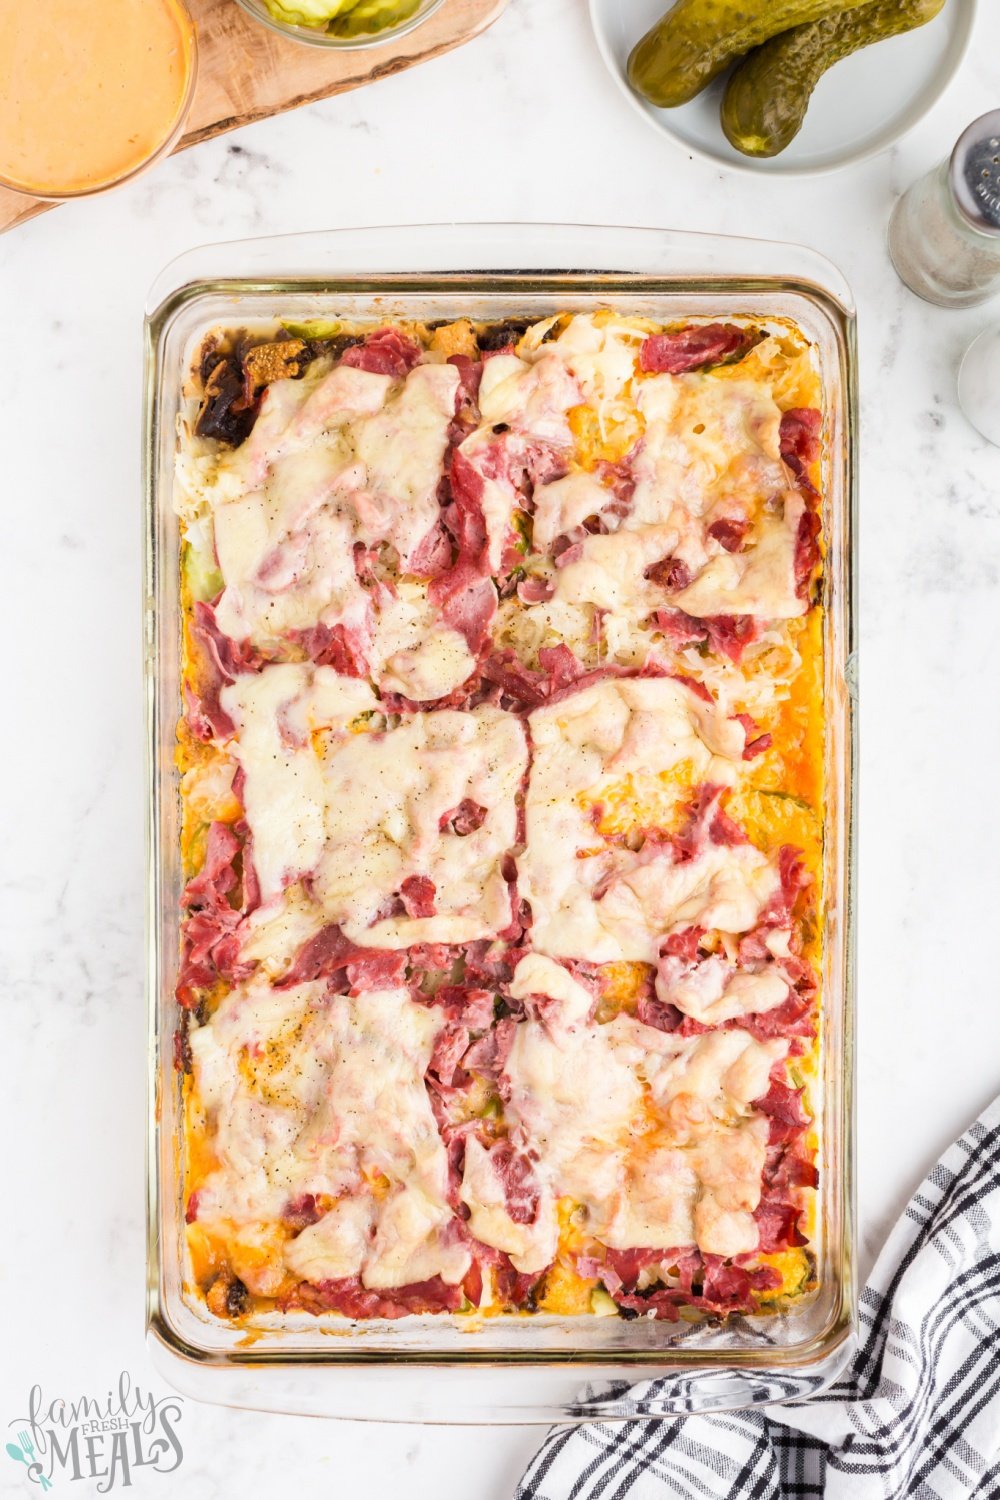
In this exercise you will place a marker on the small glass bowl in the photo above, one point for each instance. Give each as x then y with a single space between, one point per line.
315 36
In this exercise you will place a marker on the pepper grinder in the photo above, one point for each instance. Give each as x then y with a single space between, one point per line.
944 234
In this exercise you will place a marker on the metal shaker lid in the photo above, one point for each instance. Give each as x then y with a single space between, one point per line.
974 173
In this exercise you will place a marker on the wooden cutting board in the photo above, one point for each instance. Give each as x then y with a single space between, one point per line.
247 72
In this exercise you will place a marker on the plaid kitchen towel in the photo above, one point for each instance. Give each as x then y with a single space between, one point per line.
916 1415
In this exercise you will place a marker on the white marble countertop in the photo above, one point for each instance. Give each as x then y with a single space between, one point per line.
561 144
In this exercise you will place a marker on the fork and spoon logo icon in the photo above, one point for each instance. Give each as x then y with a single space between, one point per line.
24 1453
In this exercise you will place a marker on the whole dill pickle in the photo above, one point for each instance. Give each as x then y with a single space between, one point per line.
696 39
768 94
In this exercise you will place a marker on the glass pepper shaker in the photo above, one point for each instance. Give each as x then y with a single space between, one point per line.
944 234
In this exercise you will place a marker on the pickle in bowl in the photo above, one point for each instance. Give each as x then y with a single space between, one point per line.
768 94
697 39
343 17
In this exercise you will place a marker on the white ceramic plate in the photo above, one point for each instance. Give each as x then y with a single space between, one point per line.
859 108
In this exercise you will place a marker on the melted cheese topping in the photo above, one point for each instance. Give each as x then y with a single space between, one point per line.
610 573
570 1102
651 1134
714 990
600 353
351 462
412 652
703 1080
760 581
532 399
697 429
277 714
327 1097
702 1088
294 415
606 903
498 498
531 1247
277 931
563 504
723 888
359 814
709 452
256 1123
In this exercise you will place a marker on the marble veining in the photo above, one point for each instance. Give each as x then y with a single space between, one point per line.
490 132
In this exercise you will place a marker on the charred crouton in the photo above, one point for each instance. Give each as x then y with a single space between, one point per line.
494 336
227 413
237 1298
280 360
227 1297
455 338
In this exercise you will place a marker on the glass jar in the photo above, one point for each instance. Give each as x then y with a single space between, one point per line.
944 234
979 384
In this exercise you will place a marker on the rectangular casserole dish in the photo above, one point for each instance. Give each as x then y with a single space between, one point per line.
543 1368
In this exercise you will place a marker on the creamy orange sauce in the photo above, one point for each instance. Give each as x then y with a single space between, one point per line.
92 89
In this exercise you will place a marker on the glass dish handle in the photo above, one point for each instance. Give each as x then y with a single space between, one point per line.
409 249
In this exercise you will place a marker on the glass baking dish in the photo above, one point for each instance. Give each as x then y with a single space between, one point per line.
508 1369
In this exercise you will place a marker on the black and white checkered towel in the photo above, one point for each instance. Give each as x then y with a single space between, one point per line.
917 1416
